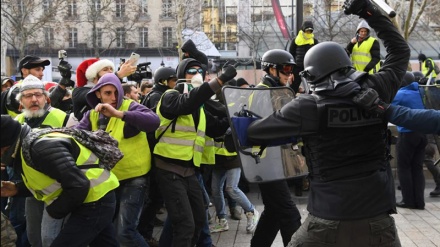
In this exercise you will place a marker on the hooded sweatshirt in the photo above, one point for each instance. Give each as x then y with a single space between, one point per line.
137 119
408 96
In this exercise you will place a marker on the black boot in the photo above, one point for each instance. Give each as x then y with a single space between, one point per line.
435 192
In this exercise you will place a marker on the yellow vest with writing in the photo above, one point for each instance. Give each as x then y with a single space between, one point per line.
185 143
137 157
47 189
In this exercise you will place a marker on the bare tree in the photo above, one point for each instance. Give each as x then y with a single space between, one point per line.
22 22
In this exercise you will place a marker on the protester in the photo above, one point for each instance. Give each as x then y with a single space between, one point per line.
343 154
364 50
175 175
298 48
87 75
58 169
128 122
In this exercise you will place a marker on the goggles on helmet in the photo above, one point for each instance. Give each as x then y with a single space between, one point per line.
286 69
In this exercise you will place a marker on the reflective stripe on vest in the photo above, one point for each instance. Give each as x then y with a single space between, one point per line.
425 68
361 55
47 189
185 143
208 156
221 150
55 118
137 157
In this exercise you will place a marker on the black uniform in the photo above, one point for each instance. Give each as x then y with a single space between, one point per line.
345 147
280 212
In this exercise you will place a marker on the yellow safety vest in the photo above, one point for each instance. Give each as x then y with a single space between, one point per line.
137 157
54 119
221 150
208 156
185 143
425 68
361 56
47 189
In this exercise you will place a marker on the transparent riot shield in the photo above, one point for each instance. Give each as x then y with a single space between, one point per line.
431 98
279 160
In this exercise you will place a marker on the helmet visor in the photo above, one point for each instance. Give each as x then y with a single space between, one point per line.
286 69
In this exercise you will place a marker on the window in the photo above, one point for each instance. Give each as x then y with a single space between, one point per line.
46 5
73 37
120 37
166 8
71 8
48 36
167 37
143 37
143 7
120 8
95 5
98 35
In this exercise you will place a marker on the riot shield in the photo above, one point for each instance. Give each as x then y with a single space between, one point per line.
279 160
431 98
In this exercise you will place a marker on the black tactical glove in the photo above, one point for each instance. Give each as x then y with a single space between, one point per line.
423 81
369 100
64 68
229 73
361 8
66 82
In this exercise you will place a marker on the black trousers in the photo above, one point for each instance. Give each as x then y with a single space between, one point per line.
280 214
410 149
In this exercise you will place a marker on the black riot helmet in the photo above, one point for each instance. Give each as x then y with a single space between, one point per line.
418 75
324 59
163 74
278 59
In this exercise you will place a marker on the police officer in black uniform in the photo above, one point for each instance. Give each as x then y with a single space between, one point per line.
351 186
280 212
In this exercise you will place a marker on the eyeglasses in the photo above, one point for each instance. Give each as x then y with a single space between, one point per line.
193 71
287 69
30 95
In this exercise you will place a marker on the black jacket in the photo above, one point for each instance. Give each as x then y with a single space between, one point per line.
56 158
80 105
334 197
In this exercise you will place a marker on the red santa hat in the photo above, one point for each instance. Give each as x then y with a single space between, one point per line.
93 70
81 78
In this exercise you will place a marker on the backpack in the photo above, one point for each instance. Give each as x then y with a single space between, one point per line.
104 146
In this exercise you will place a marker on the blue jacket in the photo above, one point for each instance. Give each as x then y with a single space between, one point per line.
408 96
420 120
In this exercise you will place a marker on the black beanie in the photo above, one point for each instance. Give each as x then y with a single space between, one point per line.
10 130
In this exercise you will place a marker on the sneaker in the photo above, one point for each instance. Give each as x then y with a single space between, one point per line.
221 225
235 213
252 220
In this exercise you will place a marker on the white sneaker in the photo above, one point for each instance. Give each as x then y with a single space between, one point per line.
221 225
252 220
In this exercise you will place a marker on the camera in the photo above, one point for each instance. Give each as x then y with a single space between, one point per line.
62 54
143 71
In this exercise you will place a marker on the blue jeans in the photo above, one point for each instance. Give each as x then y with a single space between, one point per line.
34 216
90 225
231 177
130 197
50 228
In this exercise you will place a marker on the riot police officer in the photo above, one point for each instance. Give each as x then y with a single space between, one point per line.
351 186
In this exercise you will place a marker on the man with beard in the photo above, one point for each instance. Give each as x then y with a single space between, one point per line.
38 113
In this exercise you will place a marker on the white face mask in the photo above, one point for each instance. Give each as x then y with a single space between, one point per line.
197 80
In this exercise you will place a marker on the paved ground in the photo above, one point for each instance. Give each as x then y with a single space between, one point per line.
417 228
